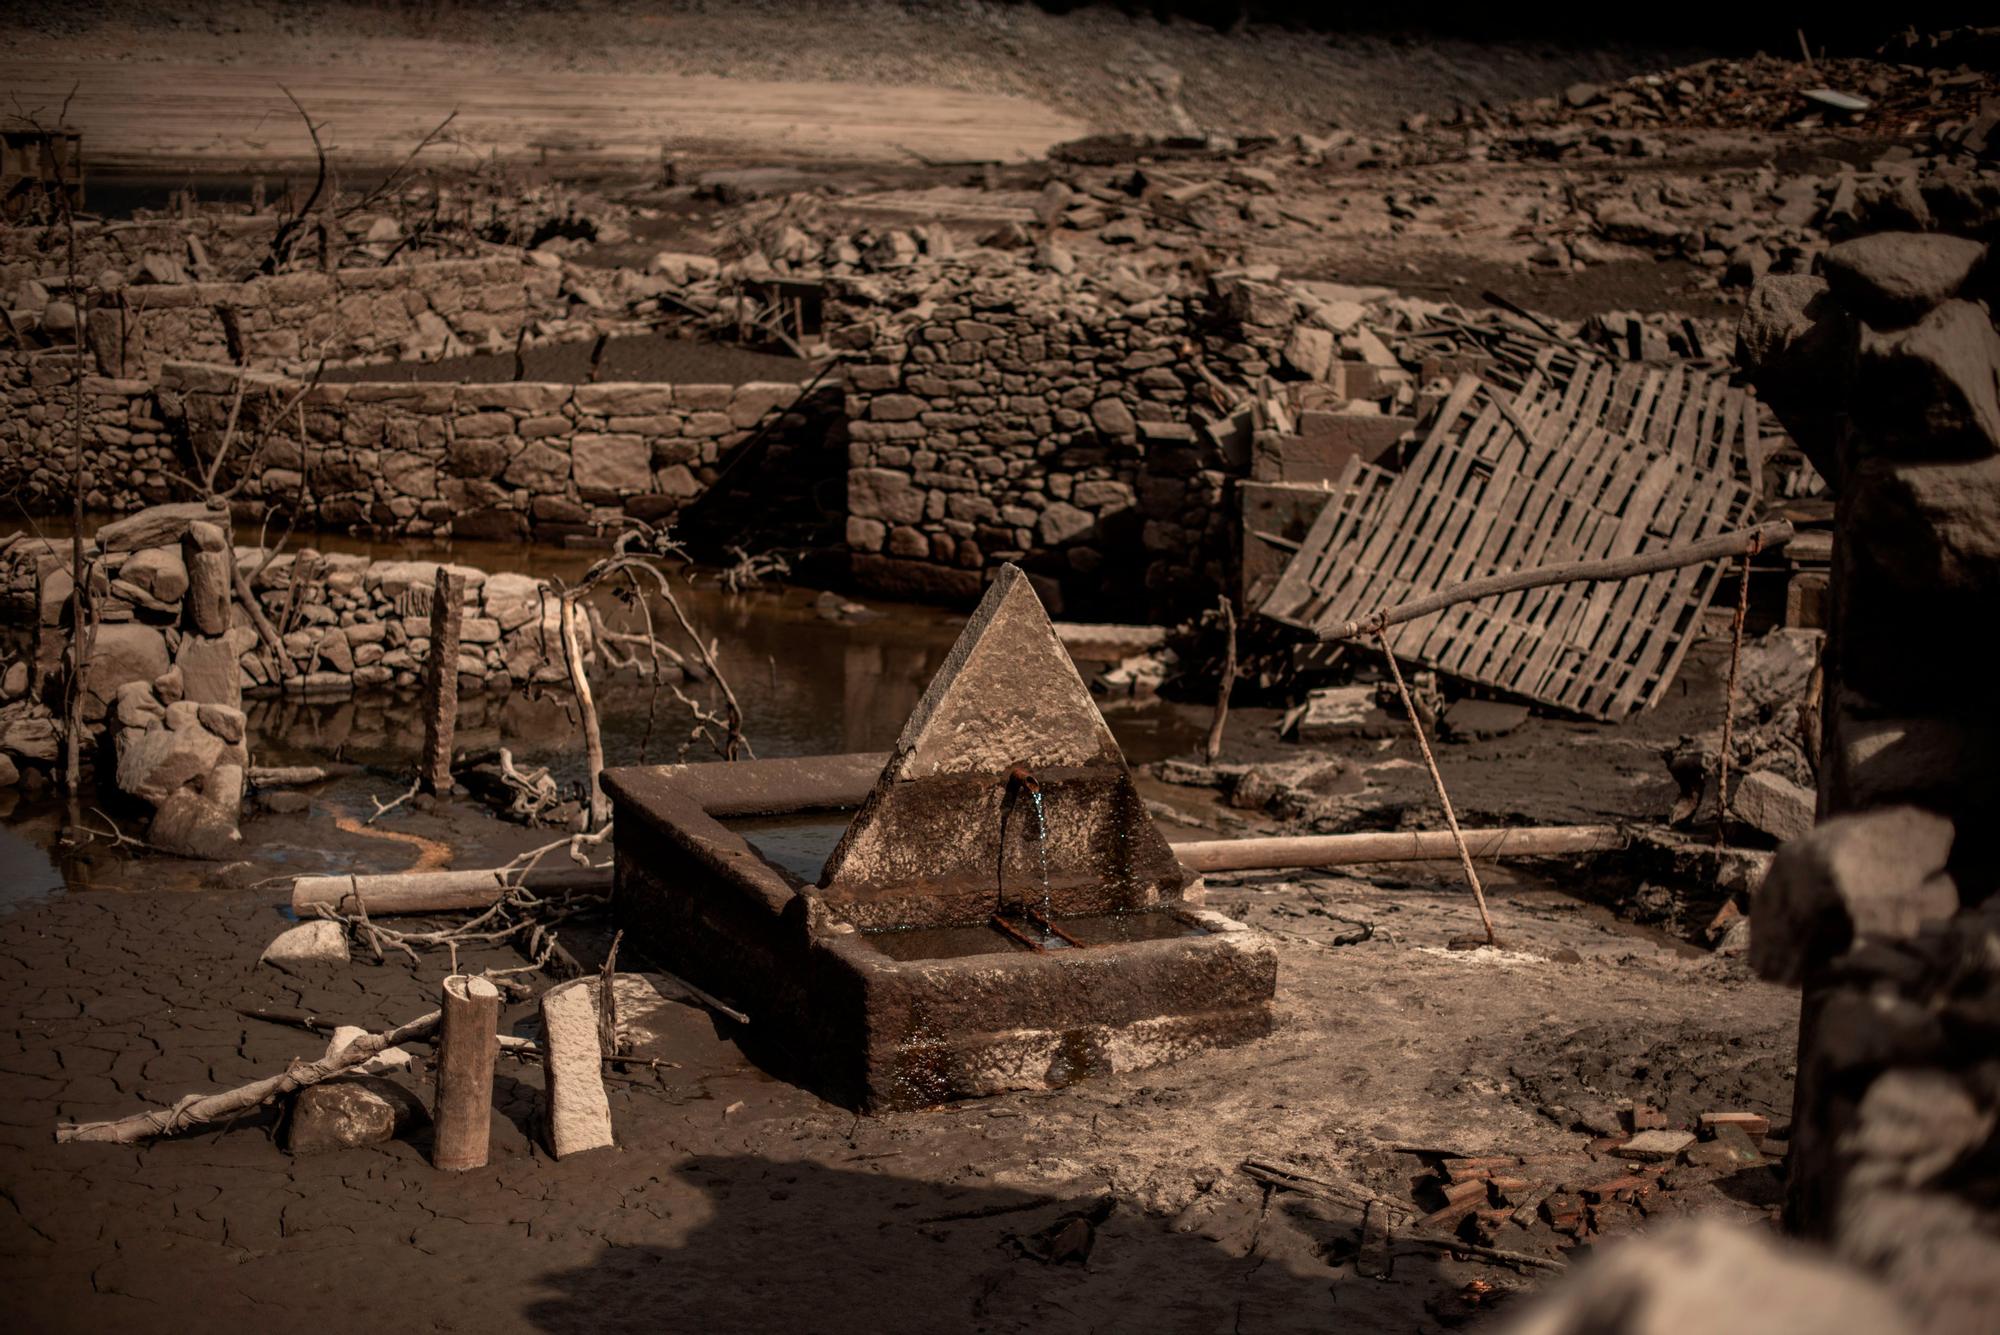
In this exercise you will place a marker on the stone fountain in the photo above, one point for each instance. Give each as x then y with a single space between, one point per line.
999 913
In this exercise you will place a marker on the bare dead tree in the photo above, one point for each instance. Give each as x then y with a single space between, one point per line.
634 570
322 208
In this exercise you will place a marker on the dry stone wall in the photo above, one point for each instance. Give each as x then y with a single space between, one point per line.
286 322
128 451
1043 427
289 320
504 461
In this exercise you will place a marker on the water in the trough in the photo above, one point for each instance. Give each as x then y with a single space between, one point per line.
810 683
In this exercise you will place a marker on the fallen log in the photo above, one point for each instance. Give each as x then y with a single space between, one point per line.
1339 850
1763 537
439 891
200 1109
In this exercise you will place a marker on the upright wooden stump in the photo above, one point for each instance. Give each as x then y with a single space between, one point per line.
579 1112
467 1042
441 681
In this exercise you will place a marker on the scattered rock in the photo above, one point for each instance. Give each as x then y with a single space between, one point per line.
309 943
348 1112
1774 804
1471 720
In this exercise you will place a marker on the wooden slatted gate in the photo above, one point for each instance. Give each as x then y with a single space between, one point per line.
1617 458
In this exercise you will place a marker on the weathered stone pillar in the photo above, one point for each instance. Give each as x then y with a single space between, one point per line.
1886 369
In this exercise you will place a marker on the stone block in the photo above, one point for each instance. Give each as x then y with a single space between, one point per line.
624 400
866 535
880 493
1933 390
622 464
156 526
310 943
579 1113
159 571
1774 804
539 468
351 1112
752 402
1062 522
124 653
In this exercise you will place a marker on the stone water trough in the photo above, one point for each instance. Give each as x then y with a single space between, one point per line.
988 907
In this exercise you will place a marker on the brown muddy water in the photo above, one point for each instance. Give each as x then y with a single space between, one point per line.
810 682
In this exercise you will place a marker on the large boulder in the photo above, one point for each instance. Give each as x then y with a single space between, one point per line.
123 652
350 1112
1932 390
159 571
1874 876
156 762
1713 1277
1797 346
1891 278
190 825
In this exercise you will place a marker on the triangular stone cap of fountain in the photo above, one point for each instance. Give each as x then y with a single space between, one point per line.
1007 695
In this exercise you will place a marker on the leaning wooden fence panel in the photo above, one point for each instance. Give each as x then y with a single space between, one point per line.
1609 460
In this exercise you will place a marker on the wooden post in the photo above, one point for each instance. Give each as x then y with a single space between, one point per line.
467 1042
1221 719
441 682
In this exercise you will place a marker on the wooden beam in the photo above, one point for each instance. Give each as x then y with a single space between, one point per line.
1339 850
1751 540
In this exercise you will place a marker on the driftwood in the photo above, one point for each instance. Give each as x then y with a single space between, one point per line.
439 891
1762 537
1437 782
200 1109
586 705
1338 850
466 1047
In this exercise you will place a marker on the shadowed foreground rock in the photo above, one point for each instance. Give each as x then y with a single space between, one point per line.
1716 1279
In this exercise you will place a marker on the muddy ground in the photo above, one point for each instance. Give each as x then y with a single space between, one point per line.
736 1202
